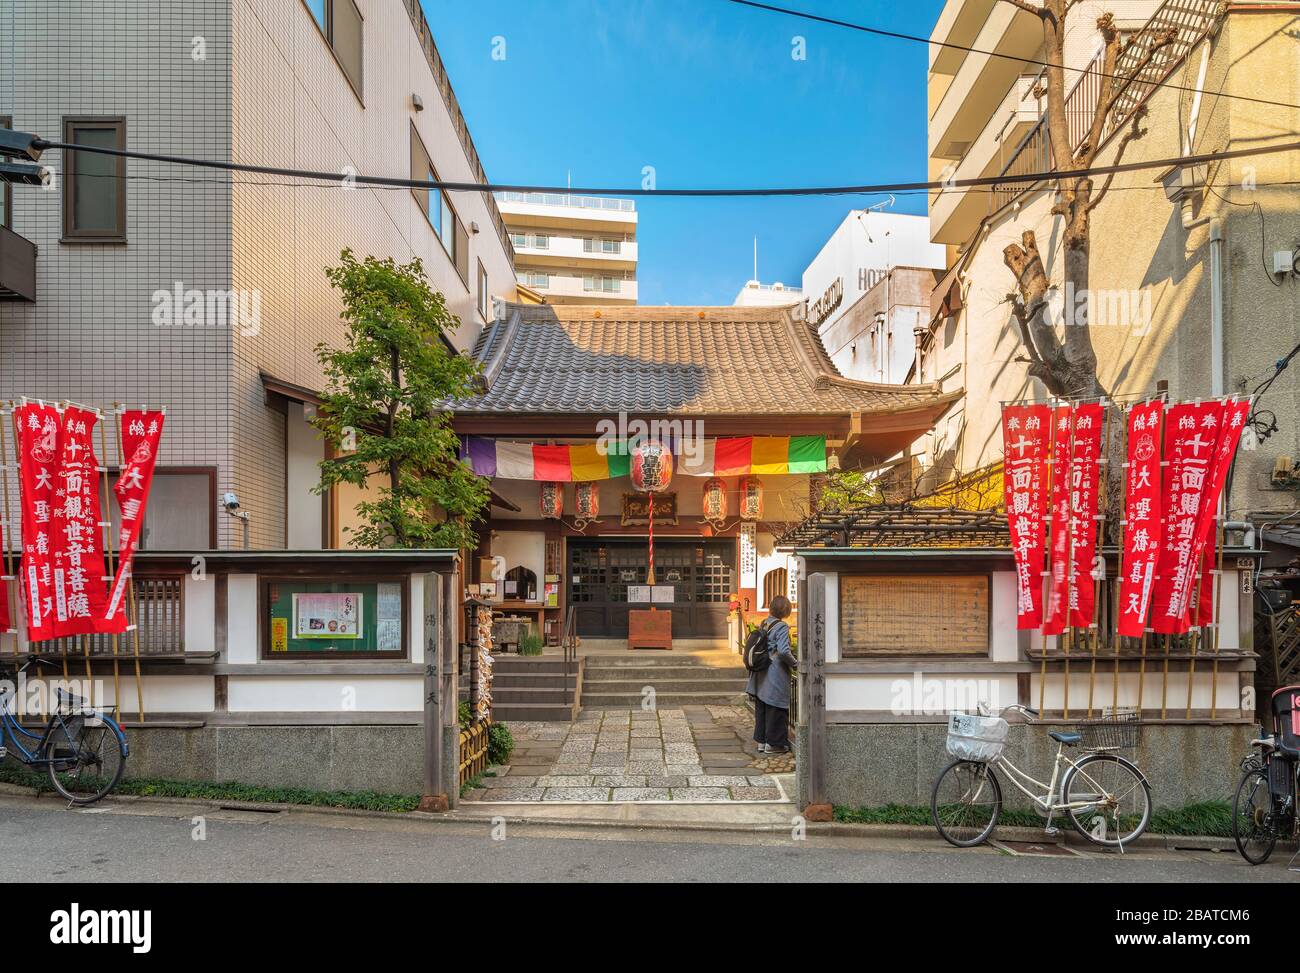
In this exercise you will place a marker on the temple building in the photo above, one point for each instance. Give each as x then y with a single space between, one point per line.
750 405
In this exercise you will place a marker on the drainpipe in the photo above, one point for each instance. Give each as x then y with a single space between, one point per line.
1216 308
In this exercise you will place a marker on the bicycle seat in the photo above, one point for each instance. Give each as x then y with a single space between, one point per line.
63 696
1069 739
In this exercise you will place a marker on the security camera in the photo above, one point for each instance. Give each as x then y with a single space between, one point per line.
230 502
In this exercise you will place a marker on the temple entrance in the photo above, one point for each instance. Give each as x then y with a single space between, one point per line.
701 574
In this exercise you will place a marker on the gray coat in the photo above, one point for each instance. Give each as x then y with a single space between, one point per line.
772 685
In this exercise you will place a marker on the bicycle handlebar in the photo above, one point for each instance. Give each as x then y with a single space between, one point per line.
1029 713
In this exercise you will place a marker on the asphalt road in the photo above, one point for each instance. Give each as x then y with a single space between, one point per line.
41 840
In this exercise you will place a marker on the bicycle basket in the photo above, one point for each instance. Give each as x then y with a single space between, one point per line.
978 738
1119 729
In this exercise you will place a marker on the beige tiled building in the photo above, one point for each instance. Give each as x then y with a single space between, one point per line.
1184 271
344 86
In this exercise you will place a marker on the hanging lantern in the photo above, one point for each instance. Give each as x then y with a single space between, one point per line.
714 500
751 498
652 467
586 502
551 499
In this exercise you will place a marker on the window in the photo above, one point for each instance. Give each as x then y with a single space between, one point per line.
437 208
603 285
534 278
340 23
6 192
484 296
172 518
537 241
94 186
601 245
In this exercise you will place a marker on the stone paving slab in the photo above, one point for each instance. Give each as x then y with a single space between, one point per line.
689 754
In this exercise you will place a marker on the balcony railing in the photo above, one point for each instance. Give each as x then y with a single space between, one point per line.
159 614
566 199
1191 21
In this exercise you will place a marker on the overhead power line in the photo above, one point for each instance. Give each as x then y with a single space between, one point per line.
870 189
918 39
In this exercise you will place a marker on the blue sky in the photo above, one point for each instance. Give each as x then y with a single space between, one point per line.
707 93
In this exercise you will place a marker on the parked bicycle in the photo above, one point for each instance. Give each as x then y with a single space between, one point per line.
1264 808
1104 795
82 749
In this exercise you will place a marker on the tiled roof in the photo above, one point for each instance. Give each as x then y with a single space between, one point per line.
678 360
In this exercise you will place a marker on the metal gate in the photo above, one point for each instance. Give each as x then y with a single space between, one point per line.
701 574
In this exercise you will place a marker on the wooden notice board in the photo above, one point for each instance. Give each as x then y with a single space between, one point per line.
649 629
914 614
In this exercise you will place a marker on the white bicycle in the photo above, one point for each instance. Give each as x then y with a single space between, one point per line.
1104 795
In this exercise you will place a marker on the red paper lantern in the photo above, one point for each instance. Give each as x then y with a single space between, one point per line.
551 499
652 467
751 498
586 501
714 500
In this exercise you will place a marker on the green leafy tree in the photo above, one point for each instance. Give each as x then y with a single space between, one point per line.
383 408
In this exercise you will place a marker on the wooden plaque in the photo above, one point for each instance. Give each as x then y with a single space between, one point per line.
649 629
636 509
914 614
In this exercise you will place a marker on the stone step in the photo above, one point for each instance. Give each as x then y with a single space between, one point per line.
534 712
531 663
540 694
503 678
662 700
650 673
661 685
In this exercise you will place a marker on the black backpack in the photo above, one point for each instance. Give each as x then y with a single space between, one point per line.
757 658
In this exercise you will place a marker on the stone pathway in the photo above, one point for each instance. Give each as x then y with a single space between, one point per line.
694 754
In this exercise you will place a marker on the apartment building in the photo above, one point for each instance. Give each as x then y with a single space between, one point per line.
346 86
1189 294
573 249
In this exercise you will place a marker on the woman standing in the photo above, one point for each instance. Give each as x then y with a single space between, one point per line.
770 687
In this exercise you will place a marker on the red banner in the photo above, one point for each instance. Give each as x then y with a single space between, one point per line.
1231 420
1191 440
37 430
1085 488
1025 431
1143 527
140 435
1062 438
63 556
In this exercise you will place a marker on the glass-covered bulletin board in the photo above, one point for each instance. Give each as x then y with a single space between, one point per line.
334 618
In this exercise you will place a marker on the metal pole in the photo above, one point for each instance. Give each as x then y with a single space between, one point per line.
108 551
1216 618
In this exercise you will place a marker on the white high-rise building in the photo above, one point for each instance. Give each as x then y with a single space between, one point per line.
573 249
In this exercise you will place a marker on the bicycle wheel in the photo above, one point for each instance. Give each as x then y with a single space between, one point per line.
1252 817
1115 796
87 758
966 803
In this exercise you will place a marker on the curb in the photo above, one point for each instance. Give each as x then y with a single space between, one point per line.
827 829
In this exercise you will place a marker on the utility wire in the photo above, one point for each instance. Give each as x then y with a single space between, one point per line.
488 187
918 39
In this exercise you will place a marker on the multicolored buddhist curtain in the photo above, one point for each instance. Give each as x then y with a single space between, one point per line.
739 456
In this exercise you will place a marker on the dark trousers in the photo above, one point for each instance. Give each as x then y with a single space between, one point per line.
771 725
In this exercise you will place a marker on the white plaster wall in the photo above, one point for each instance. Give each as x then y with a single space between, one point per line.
241 619
325 694
200 601
521 547
304 451
911 692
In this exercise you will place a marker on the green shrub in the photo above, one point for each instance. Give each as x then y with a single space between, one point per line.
464 715
500 743
530 644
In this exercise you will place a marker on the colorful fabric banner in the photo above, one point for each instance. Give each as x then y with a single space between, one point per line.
1191 440
1143 526
140 433
1025 434
1085 489
1062 440
63 557
580 463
